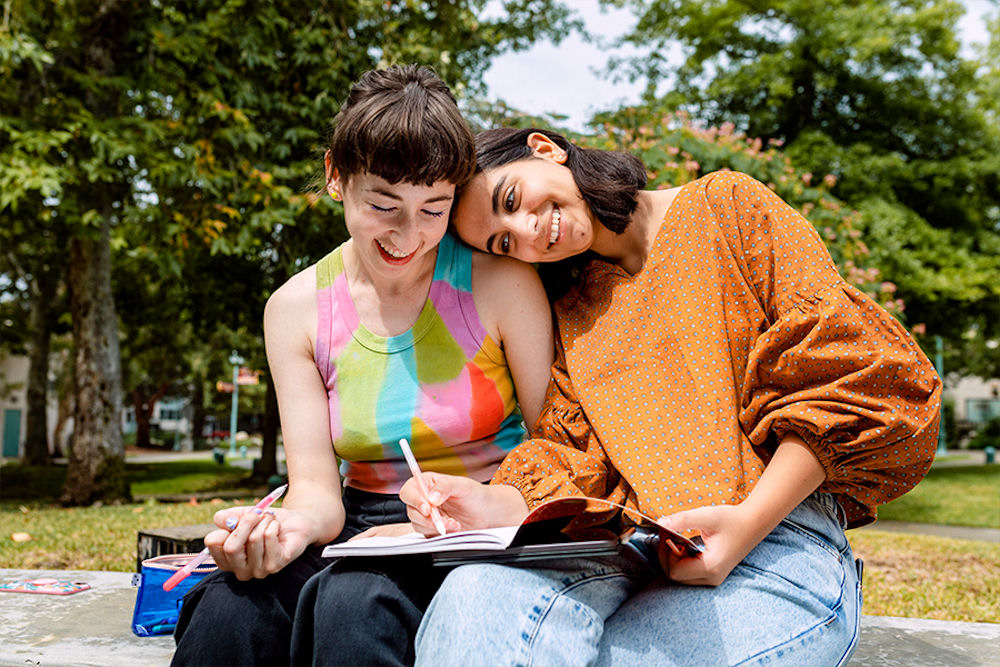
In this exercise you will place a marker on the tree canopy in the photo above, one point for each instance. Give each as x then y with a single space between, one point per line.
172 134
875 93
158 163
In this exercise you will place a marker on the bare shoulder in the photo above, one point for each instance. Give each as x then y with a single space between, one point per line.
503 273
493 269
291 309
507 291
294 293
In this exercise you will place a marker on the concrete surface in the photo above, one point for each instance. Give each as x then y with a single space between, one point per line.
887 641
93 628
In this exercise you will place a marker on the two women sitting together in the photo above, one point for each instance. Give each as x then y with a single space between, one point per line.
710 367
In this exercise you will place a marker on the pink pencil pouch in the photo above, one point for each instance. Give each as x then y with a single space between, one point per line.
44 586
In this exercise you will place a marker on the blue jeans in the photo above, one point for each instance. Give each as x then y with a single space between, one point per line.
794 600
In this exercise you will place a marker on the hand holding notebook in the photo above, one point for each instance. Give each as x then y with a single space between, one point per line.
537 536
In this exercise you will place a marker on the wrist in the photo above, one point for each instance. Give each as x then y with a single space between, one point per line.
509 506
793 473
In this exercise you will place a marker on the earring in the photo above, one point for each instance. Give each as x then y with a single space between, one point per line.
334 195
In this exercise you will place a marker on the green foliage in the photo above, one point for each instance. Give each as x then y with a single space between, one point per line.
193 131
875 93
987 435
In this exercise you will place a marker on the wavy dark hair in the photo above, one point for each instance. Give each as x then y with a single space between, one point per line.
402 123
608 181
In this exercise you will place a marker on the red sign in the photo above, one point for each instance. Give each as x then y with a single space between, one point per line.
248 376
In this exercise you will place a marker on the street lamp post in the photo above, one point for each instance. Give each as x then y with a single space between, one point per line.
235 359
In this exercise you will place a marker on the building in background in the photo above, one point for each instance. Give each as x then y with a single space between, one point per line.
14 405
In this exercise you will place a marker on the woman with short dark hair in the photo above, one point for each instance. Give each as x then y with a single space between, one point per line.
400 333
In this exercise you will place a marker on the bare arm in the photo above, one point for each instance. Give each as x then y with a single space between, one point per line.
312 511
732 531
314 481
515 310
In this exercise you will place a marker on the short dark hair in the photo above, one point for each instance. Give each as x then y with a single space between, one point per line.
608 180
402 124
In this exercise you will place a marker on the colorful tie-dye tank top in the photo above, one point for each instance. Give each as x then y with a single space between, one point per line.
444 385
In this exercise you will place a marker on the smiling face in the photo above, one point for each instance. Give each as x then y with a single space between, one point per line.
394 227
530 209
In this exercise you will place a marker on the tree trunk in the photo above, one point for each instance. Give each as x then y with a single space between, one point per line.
97 455
142 414
198 409
143 408
268 463
67 402
36 437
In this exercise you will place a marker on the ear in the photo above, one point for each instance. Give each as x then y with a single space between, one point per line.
543 147
332 177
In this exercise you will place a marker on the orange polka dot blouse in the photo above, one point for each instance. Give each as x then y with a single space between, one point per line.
672 387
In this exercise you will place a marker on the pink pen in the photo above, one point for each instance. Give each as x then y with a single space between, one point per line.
415 471
182 574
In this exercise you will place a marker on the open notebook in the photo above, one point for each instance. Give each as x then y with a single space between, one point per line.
538 537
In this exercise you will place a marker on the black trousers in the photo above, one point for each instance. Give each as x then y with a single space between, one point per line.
315 611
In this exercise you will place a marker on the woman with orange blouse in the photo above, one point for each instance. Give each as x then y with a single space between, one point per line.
712 369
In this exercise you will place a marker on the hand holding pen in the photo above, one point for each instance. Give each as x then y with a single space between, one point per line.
417 475
185 571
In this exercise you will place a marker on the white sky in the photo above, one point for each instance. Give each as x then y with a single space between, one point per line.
566 79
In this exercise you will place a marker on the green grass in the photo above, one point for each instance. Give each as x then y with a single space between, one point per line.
920 576
957 496
91 538
104 537
20 484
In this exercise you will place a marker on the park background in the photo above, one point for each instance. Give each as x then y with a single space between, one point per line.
158 163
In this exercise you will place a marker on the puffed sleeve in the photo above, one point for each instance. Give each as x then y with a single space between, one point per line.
832 366
563 457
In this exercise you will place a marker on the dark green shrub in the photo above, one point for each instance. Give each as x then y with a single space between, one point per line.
987 435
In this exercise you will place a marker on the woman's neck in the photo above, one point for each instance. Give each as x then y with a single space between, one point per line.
631 248
388 306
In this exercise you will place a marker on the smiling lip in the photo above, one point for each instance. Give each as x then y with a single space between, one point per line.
392 259
555 225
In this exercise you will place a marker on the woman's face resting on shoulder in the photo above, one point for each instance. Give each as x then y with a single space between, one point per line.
530 209
393 224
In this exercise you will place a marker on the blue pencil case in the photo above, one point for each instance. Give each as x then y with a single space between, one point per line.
156 610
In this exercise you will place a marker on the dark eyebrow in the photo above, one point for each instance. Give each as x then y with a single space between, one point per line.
392 195
385 193
496 194
434 200
496 209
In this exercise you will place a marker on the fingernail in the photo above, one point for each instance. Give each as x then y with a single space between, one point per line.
435 497
271 512
664 521
231 523
257 510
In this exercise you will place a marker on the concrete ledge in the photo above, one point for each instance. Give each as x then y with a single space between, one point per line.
93 628
888 641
